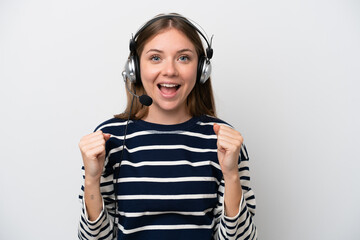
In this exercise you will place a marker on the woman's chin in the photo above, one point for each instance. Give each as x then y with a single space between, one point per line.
170 106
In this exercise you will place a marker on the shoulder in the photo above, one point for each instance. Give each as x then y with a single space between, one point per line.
205 124
111 125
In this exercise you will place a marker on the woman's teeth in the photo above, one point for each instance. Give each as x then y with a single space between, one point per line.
168 85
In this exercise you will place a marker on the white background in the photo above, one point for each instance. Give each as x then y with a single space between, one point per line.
285 73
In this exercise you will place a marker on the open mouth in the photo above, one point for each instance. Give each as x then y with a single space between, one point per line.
168 88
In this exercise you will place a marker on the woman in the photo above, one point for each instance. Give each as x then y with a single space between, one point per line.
171 170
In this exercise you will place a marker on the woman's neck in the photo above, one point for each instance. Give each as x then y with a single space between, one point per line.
167 117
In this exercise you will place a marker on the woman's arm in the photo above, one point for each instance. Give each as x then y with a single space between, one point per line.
95 222
92 149
236 205
229 144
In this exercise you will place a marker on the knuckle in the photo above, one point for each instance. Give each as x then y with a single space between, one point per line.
102 148
88 155
84 149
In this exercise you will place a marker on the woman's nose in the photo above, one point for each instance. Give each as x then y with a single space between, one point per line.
170 68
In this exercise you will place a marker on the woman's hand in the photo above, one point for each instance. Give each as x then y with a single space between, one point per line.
92 147
229 143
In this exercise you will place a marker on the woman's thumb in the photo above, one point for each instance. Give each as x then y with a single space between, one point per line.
106 136
216 128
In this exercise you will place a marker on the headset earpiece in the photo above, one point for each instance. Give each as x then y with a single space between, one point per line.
204 70
132 68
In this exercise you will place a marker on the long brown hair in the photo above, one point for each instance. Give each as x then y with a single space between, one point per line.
200 100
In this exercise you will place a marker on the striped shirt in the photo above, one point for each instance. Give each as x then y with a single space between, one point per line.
167 184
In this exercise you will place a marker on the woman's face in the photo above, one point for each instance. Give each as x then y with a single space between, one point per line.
168 65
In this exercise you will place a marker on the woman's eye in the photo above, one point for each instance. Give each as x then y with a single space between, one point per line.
184 58
155 58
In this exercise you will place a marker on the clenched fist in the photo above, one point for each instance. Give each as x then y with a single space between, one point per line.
92 147
229 143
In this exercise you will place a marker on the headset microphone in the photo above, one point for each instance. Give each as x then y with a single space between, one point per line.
144 99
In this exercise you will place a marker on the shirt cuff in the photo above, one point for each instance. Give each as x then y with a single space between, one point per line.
237 215
98 218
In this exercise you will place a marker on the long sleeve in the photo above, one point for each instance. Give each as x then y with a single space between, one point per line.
168 185
242 225
102 227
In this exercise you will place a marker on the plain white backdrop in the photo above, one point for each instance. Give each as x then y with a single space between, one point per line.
285 73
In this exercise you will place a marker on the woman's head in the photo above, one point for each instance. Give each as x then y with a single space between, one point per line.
158 39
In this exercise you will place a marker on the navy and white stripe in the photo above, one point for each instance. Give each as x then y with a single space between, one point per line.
168 185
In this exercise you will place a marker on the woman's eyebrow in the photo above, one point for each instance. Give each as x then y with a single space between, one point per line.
155 50
185 50
160 51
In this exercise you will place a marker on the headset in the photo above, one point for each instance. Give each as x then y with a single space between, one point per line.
132 65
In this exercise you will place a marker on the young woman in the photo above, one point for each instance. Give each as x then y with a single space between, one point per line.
171 170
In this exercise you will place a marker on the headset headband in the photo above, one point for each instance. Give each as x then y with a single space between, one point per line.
209 50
